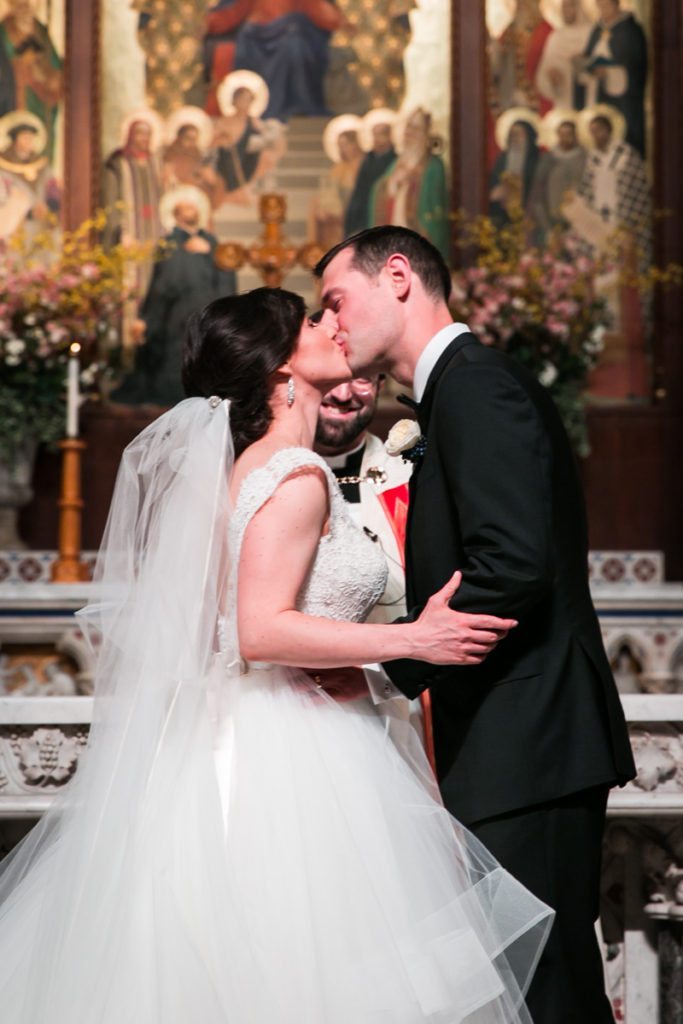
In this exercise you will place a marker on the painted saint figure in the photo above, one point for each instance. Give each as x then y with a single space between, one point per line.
328 209
132 177
286 43
559 174
613 206
412 192
513 174
515 59
375 163
31 76
244 147
182 283
615 69
188 134
559 64
28 193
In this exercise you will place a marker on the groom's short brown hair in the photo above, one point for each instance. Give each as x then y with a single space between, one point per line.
373 247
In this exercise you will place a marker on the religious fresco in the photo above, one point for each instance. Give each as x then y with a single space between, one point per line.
236 99
31 114
568 139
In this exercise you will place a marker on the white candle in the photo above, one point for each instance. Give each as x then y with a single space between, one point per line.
72 394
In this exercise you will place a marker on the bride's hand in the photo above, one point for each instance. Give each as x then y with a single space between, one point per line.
448 637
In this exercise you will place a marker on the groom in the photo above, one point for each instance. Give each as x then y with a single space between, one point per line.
529 742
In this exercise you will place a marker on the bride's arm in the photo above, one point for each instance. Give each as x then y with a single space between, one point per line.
277 553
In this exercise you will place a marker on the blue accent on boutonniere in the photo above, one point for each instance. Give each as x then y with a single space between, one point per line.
415 453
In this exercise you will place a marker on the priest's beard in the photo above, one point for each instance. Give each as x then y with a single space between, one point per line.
332 435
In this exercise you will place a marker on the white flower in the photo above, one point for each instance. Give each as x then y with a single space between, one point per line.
15 347
548 375
518 302
30 319
12 360
89 375
402 436
596 343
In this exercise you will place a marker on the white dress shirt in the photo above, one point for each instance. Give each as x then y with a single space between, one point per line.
431 354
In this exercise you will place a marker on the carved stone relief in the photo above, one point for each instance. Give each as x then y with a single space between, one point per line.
658 752
42 757
646 655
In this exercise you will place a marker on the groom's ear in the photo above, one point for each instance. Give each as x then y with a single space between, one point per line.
400 273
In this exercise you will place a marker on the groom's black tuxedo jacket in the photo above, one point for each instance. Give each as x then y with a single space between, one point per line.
497 495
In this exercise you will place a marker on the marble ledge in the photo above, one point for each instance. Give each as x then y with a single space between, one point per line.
607 597
653 598
43 597
45 711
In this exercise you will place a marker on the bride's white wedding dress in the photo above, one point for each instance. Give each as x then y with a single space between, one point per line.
283 863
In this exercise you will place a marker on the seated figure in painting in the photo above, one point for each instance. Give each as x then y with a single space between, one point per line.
182 283
514 172
329 205
286 43
412 192
244 147
377 125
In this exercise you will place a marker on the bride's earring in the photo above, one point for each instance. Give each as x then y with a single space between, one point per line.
290 392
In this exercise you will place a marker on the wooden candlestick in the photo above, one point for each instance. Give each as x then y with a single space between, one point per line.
68 567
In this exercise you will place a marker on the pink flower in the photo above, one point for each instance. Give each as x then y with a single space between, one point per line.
515 281
557 327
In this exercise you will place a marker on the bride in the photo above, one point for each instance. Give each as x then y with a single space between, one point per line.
236 847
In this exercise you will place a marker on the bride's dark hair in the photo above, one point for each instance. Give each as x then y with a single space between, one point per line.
233 349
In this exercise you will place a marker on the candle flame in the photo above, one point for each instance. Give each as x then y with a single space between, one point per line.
74 348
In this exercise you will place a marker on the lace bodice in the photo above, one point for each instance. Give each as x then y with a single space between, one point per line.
349 572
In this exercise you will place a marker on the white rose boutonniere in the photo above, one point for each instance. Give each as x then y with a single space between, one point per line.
406 439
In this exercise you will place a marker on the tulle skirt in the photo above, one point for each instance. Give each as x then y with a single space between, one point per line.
288 865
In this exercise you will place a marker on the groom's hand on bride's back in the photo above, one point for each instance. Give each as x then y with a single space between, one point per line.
461 638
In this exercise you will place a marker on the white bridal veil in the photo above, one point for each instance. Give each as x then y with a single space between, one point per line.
336 890
85 879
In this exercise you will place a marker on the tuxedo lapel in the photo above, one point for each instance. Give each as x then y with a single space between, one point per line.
454 349
423 411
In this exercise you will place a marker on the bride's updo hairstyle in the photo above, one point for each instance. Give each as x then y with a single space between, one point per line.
233 349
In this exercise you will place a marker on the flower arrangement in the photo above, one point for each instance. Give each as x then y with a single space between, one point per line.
540 306
56 288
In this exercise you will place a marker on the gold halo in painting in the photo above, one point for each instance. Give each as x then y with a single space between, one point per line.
183 194
190 115
614 116
509 117
17 117
547 134
379 115
336 127
242 80
151 118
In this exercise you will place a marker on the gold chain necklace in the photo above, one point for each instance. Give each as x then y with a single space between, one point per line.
374 475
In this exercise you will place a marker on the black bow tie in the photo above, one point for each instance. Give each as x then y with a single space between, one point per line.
410 402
